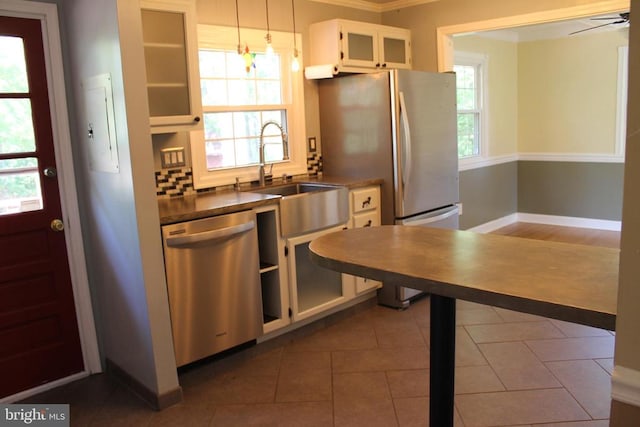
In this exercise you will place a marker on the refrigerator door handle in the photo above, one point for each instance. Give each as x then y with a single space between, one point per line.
406 145
430 220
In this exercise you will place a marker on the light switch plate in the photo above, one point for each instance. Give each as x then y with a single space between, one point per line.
172 157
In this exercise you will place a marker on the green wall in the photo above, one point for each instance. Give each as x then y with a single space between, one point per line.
488 193
576 189
572 189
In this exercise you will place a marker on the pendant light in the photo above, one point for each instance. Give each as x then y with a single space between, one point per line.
238 26
295 63
269 48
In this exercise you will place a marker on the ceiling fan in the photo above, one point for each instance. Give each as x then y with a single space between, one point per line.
622 18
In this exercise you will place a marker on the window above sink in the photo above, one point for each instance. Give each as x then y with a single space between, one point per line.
236 104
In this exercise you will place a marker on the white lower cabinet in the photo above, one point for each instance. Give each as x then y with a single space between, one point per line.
364 207
293 287
313 289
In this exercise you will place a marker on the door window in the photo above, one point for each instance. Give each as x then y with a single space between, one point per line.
20 188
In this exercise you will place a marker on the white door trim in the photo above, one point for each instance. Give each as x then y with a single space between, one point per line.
47 13
445 33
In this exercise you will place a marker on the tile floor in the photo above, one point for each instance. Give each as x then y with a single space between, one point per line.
371 368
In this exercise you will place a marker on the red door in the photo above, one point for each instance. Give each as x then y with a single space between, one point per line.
39 340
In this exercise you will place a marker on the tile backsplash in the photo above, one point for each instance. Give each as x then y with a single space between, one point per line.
175 182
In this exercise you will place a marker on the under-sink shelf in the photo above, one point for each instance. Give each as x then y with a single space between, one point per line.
265 267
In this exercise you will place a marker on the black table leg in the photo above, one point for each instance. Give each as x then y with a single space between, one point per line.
442 361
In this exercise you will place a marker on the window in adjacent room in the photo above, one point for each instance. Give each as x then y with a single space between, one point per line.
470 89
240 93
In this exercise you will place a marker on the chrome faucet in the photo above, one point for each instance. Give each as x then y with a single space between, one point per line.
285 148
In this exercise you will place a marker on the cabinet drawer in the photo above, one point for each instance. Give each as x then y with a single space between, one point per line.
365 199
368 219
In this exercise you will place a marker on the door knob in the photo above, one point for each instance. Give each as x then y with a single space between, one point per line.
50 172
57 225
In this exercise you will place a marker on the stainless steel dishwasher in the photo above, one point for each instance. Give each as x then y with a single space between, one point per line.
213 279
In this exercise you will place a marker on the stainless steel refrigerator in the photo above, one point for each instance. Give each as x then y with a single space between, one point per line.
398 125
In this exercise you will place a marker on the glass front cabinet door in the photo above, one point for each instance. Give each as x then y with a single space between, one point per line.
354 46
375 46
170 50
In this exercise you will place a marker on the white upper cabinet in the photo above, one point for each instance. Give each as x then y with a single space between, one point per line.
171 58
353 46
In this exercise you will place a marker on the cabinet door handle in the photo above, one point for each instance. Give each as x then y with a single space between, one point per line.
366 202
368 224
196 119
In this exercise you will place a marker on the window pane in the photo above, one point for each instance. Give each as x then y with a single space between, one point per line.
19 186
220 154
13 68
268 66
212 63
466 99
269 92
273 148
467 135
236 65
278 116
242 92
218 125
16 126
248 151
214 92
466 87
246 124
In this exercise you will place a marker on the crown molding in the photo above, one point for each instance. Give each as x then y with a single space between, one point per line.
370 6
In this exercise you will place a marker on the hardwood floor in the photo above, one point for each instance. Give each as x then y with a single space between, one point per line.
582 236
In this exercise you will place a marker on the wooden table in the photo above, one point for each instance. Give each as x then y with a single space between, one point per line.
563 281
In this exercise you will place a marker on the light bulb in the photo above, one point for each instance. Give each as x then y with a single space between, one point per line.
295 64
269 49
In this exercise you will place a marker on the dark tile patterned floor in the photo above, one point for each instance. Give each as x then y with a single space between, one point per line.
372 369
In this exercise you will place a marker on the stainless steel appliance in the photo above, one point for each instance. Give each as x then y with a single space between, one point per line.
213 278
398 125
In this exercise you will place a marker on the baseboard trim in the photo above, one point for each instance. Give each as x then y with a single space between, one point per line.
153 399
44 387
569 221
490 226
566 221
625 385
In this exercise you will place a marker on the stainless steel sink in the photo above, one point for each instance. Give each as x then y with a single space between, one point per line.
293 188
308 207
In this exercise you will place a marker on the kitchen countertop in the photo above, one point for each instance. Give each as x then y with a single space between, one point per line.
575 283
186 208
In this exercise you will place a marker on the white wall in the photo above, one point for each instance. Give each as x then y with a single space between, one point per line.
120 219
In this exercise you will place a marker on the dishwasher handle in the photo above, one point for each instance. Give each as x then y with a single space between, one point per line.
210 235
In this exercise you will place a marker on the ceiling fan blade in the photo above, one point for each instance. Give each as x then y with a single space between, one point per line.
624 17
591 28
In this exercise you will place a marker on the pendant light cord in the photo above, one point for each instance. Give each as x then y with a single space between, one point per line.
238 26
293 12
267 8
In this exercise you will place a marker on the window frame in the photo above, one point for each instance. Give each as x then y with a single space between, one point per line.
219 37
621 101
480 63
